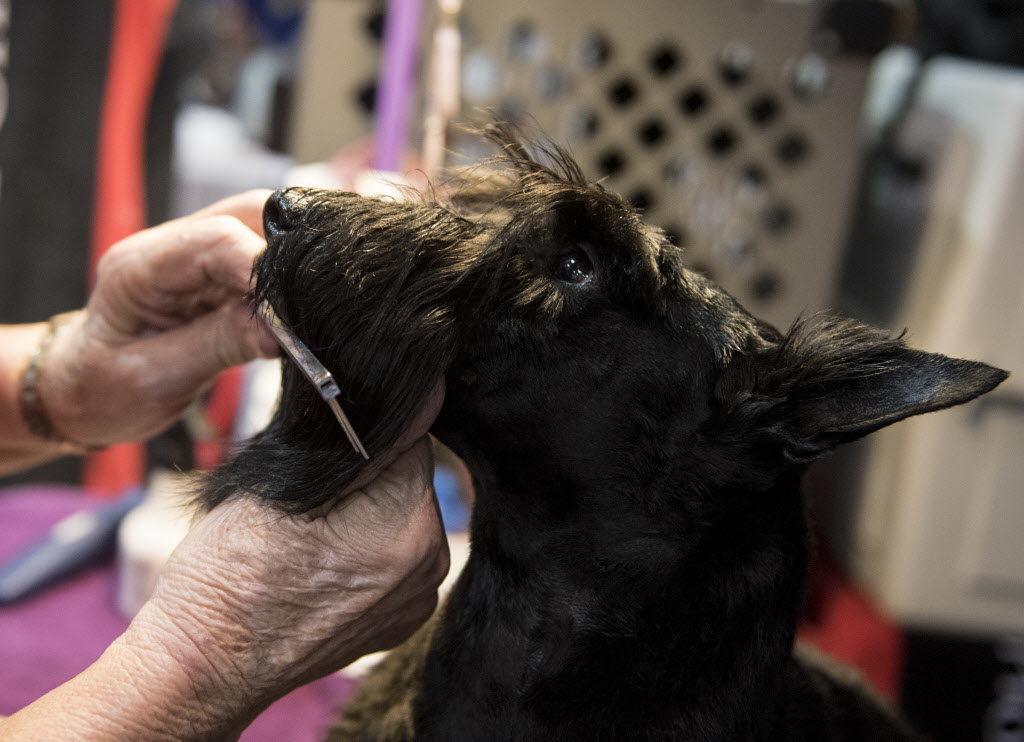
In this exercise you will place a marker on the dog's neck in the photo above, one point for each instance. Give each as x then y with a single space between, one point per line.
587 626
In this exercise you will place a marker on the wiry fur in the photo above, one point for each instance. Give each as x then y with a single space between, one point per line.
636 442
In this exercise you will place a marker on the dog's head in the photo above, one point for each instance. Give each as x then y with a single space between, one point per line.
580 356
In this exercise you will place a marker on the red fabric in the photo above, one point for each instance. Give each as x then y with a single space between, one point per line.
140 28
844 623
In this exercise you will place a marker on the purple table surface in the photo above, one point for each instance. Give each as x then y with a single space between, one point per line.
57 633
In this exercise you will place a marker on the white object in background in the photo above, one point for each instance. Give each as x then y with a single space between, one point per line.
891 73
443 96
214 157
147 537
381 183
364 181
258 79
937 533
261 386
314 175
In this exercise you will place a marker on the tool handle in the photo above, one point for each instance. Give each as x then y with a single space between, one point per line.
72 544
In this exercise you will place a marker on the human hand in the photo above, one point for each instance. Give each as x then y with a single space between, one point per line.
167 314
255 603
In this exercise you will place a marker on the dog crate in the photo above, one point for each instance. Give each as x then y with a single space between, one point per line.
933 528
733 124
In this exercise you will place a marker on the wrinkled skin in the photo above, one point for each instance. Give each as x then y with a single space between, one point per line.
256 596
165 317
636 440
253 602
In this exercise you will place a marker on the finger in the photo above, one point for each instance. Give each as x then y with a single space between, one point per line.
424 419
383 464
191 256
415 464
172 310
398 486
246 207
183 360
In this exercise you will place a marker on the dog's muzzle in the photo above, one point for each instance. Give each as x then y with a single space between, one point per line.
279 213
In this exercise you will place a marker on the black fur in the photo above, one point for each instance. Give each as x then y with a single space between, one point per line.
636 442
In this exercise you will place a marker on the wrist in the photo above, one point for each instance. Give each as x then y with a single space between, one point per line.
197 677
138 689
63 396
19 447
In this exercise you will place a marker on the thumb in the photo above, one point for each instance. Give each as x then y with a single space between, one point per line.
186 358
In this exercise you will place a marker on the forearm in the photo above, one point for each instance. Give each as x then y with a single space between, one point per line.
19 448
138 689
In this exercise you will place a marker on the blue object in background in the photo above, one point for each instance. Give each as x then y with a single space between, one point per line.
90 535
454 512
74 543
278 21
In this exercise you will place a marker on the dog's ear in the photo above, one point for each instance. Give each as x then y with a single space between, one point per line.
830 381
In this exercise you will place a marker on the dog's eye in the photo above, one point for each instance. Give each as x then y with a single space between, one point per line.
575 268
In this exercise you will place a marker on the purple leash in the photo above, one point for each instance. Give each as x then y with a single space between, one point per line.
396 89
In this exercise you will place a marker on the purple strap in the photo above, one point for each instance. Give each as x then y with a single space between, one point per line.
397 84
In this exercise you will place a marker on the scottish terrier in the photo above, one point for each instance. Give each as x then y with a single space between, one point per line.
636 439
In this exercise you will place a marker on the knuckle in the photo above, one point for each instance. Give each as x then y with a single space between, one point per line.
418 551
113 258
226 228
231 247
411 554
151 392
108 259
236 341
425 484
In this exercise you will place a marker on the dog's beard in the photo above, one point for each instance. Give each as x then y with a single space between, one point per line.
376 290
386 294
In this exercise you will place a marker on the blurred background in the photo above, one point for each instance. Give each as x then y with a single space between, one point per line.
864 155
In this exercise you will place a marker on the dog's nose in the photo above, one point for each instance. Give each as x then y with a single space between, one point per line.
279 213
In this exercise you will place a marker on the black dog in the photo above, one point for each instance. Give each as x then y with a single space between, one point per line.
636 440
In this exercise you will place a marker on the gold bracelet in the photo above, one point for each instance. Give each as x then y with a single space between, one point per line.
33 410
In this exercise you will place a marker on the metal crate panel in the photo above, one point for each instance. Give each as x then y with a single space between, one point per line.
733 124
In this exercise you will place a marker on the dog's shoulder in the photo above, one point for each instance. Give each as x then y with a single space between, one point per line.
382 708
824 694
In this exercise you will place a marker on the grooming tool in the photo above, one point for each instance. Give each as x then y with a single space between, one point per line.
73 543
315 371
